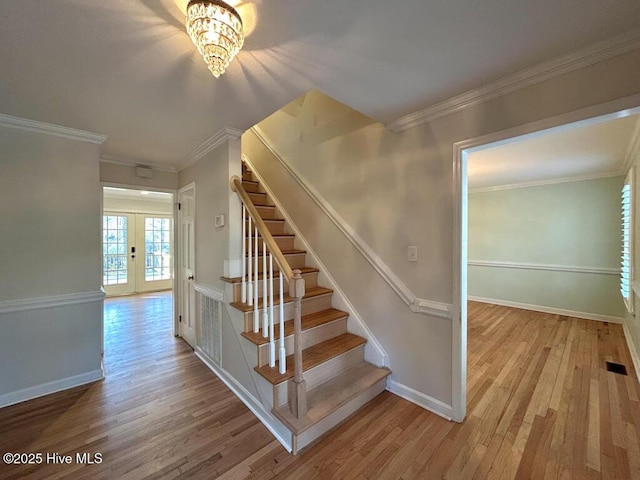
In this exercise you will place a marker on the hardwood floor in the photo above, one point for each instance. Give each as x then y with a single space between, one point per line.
541 405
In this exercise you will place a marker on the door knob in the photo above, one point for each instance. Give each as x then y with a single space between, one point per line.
190 277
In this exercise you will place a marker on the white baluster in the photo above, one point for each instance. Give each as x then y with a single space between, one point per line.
265 292
283 353
272 345
250 260
256 285
244 255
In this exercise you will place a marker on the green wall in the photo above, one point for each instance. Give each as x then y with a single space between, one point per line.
541 235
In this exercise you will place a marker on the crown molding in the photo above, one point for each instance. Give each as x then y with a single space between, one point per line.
550 181
214 141
127 162
10 121
415 304
633 150
524 78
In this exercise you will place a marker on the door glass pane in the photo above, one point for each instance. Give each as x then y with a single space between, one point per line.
114 249
157 249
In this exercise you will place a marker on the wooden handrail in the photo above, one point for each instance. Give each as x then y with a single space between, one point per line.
236 186
297 390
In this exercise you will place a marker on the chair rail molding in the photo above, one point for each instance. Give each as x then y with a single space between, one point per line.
417 305
546 267
41 303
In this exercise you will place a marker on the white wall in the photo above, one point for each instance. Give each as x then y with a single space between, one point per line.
632 320
544 238
126 175
50 255
133 205
211 175
397 190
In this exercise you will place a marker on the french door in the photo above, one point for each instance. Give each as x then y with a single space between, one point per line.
137 252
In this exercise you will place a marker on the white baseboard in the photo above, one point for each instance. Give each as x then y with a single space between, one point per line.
421 399
249 400
50 387
632 349
555 311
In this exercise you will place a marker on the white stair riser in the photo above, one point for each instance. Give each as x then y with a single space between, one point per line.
309 337
321 373
309 305
326 424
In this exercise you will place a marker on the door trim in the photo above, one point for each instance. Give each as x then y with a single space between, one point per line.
178 280
614 109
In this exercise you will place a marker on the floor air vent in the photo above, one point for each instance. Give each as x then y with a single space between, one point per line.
210 341
616 368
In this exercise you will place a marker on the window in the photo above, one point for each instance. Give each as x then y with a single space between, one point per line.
114 249
626 270
157 234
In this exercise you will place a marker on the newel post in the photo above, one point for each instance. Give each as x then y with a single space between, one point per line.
297 389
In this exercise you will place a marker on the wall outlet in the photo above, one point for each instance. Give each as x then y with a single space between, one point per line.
412 253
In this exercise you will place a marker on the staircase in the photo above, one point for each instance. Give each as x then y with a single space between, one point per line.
334 379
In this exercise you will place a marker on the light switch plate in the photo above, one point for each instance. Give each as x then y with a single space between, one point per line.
219 220
412 253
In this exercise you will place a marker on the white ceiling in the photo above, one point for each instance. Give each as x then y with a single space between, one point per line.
127 69
584 150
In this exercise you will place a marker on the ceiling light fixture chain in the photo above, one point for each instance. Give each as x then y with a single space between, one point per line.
216 29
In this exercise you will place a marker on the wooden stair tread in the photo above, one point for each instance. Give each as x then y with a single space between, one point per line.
309 321
313 356
311 292
303 270
328 397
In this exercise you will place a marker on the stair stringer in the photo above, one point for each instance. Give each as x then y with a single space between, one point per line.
374 353
263 405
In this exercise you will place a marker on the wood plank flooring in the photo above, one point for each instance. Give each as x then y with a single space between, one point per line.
541 406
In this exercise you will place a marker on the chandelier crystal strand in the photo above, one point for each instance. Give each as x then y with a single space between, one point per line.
216 30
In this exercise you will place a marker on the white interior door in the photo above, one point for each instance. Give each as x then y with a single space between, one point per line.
118 253
187 262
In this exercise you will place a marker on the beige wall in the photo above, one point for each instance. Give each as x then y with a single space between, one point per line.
569 225
50 238
126 175
396 190
211 176
50 210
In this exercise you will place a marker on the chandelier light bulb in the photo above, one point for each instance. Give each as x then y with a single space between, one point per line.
215 28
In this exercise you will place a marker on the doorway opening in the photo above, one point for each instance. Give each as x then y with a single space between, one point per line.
137 241
464 183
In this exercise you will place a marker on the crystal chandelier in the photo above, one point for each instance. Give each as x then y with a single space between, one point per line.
216 29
